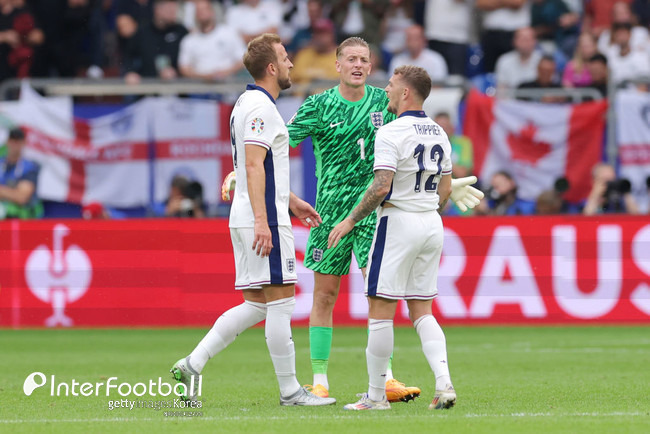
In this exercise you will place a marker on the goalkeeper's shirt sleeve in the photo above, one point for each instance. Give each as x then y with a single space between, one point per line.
304 122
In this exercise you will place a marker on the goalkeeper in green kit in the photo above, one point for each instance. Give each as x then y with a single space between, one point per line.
342 123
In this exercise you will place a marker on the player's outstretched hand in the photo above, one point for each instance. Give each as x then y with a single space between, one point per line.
463 194
228 186
305 212
339 231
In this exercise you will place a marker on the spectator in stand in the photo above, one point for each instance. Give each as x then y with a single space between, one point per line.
19 39
378 71
295 17
185 199
598 15
519 65
318 60
546 79
188 13
609 194
74 32
641 10
502 198
18 181
359 18
153 50
501 18
549 202
448 27
556 26
418 54
303 36
624 62
597 67
398 18
254 17
576 73
621 14
212 52
129 15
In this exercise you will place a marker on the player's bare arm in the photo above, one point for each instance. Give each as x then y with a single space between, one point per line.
371 200
255 175
444 191
304 211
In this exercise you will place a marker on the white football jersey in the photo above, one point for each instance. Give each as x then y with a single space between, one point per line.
255 120
418 151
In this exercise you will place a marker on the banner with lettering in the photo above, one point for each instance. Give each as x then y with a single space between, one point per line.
516 270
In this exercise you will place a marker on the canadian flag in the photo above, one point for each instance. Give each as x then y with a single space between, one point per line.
127 158
536 143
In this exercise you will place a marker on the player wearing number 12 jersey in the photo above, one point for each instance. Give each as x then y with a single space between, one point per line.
412 181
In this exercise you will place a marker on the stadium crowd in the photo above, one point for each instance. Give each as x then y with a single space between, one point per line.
498 44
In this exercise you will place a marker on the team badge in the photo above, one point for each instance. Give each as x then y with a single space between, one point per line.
317 255
377 119
291 265
257 126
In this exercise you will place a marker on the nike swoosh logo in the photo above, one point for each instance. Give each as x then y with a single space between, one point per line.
332 125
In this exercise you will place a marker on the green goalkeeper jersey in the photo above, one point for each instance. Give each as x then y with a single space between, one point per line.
343 136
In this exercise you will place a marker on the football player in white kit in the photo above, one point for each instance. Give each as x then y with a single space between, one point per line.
260 228
412 181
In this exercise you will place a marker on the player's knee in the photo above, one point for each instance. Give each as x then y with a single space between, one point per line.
325 298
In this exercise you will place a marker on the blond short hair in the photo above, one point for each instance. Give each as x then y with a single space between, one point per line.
353 41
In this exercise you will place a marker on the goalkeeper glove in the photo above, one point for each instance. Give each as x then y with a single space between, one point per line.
463 194
228 186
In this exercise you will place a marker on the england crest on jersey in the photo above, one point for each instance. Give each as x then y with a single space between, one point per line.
377 119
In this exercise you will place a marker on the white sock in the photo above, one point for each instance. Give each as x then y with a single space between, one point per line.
322 380
226 328
280 344
435 348
389 374
380 347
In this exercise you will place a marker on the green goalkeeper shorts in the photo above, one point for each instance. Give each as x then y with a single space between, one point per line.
337 260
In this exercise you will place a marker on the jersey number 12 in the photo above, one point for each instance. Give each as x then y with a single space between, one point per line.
436 157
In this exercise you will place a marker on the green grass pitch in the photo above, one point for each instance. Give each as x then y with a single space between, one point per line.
508 379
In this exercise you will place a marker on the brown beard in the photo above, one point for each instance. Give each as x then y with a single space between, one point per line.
284 83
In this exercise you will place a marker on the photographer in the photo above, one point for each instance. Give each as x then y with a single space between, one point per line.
185 199
609 194
502 198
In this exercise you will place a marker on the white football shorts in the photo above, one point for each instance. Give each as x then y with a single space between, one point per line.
253 271
405 255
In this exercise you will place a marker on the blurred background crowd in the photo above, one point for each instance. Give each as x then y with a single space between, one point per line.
496 45
520 41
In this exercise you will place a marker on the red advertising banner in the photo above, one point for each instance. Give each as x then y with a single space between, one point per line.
516 270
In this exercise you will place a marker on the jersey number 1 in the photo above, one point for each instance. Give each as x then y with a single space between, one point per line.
436 158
